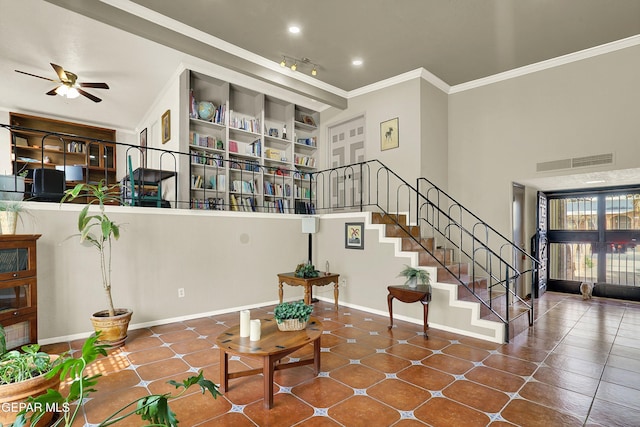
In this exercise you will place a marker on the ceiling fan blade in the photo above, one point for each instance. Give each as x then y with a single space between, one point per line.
33 75
95 85
53 91
60 72
88 95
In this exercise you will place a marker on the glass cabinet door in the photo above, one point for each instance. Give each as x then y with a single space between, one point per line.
94 155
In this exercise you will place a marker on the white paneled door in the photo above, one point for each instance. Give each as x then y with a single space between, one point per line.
346 147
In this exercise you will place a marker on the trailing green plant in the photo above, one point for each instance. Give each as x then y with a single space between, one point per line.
410 273
98 230
306 271
292 310
16 366
154 409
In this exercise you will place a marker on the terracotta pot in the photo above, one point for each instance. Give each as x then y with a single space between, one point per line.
11 395
113 330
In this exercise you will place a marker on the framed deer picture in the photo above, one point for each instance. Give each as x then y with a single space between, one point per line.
389 134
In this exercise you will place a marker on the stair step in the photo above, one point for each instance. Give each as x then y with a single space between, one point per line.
393 230
410 244
380 218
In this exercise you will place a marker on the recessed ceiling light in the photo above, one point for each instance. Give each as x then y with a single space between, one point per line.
357 62
294 29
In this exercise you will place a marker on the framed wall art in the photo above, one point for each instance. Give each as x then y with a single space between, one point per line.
354 235
389 134
166 126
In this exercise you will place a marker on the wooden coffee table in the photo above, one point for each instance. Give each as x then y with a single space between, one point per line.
272 346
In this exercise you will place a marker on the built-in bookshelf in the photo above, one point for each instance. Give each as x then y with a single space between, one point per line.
248 151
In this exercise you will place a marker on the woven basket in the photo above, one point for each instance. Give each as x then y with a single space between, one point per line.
292 325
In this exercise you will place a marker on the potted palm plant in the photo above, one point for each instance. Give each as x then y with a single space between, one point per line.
414 276
98 231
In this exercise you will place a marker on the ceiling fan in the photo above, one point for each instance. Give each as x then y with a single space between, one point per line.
69 87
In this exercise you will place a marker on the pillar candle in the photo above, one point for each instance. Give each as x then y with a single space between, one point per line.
255 330
245 318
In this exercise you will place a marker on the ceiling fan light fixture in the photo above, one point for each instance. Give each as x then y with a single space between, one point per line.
314 72
283 63
72 93
294 66
62 90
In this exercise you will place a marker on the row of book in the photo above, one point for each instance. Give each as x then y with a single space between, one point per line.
76 147
216 204
205 140
243 122
246 204
274 189
277 206
249 148
243 186
207 159
245 165
305 161
215 182
303 207
302 192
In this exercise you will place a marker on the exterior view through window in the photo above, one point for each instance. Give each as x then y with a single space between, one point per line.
595 238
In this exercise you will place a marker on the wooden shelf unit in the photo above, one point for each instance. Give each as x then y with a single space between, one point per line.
254 153
80 145
19 288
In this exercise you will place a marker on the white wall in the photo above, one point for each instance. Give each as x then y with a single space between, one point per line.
401 100
499 132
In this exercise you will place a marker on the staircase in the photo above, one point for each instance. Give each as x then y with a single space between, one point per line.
473 263
492 302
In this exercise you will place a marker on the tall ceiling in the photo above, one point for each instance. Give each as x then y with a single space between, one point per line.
136 46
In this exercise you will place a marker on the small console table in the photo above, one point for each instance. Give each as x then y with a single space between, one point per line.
322 280
404 293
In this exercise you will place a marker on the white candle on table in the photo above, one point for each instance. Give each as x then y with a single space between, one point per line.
245 318
255 330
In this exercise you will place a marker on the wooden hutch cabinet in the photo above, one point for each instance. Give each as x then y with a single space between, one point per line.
18 288
73 144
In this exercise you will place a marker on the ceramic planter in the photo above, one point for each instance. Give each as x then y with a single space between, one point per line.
113 330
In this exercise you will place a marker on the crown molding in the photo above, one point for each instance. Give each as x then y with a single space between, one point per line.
548 64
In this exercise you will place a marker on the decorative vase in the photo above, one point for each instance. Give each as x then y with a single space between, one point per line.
413 282
113 330
8 222
292 325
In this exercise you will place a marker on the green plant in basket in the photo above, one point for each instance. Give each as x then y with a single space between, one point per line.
292 310
306 271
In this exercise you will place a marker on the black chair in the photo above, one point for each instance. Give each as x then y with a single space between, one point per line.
48 185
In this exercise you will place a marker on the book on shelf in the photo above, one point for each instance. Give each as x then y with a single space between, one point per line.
304 207
233 202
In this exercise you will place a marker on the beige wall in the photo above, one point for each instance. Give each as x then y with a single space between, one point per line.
499 132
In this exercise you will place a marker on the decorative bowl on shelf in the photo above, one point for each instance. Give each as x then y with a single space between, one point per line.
206 110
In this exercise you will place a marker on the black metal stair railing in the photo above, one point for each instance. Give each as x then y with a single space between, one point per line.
490 256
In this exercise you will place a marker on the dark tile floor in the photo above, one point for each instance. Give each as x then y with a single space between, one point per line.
579 365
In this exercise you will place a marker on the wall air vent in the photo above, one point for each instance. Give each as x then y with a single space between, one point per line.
553 165
600 159
576 162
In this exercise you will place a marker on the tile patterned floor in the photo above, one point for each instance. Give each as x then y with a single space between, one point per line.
579 365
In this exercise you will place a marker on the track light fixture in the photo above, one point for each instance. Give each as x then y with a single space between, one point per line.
295 63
